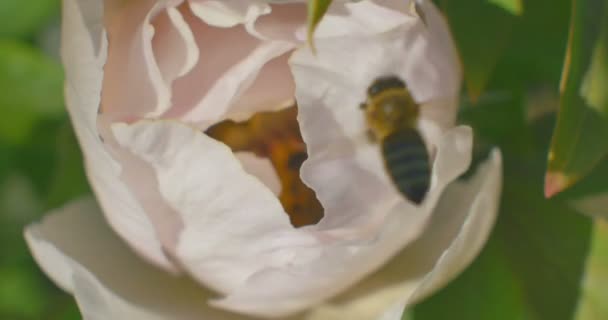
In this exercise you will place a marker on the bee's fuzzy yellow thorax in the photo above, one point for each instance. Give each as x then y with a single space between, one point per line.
390 110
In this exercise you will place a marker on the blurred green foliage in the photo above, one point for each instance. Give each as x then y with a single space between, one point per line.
21 19
40 163
480 47
34 82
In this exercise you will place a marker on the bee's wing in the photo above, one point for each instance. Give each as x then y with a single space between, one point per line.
442 111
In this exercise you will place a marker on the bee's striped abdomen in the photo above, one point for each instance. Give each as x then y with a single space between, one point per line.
407 163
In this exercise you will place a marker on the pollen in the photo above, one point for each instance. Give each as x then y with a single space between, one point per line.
276 136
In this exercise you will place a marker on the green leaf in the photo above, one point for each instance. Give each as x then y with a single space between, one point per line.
513 6
531 267
595 294
32 88
316 11
533 59
19 18
580 139
482 31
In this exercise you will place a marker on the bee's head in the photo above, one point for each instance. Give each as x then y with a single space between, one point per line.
383 83
389 106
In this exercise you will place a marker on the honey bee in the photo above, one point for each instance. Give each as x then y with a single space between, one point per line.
391 115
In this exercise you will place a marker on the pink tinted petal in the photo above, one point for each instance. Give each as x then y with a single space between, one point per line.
272 90
133 85
222 76
234 226
174 48
221 98
84 73
287 21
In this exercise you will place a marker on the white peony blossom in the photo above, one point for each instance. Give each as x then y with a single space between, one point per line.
188 229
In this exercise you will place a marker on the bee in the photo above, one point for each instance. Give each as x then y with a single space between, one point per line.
391 115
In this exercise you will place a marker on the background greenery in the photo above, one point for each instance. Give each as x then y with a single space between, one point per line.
40 164
544 260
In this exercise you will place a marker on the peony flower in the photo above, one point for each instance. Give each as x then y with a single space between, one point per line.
198 220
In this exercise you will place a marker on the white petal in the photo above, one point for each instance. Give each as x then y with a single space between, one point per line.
436 48
262 169
228 13
484 191
141 182
90 14
350 59
84 72
236 237
234 225
230 61
459 228
349 251
349 18
76 248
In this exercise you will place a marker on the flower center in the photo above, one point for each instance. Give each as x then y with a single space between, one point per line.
276 136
